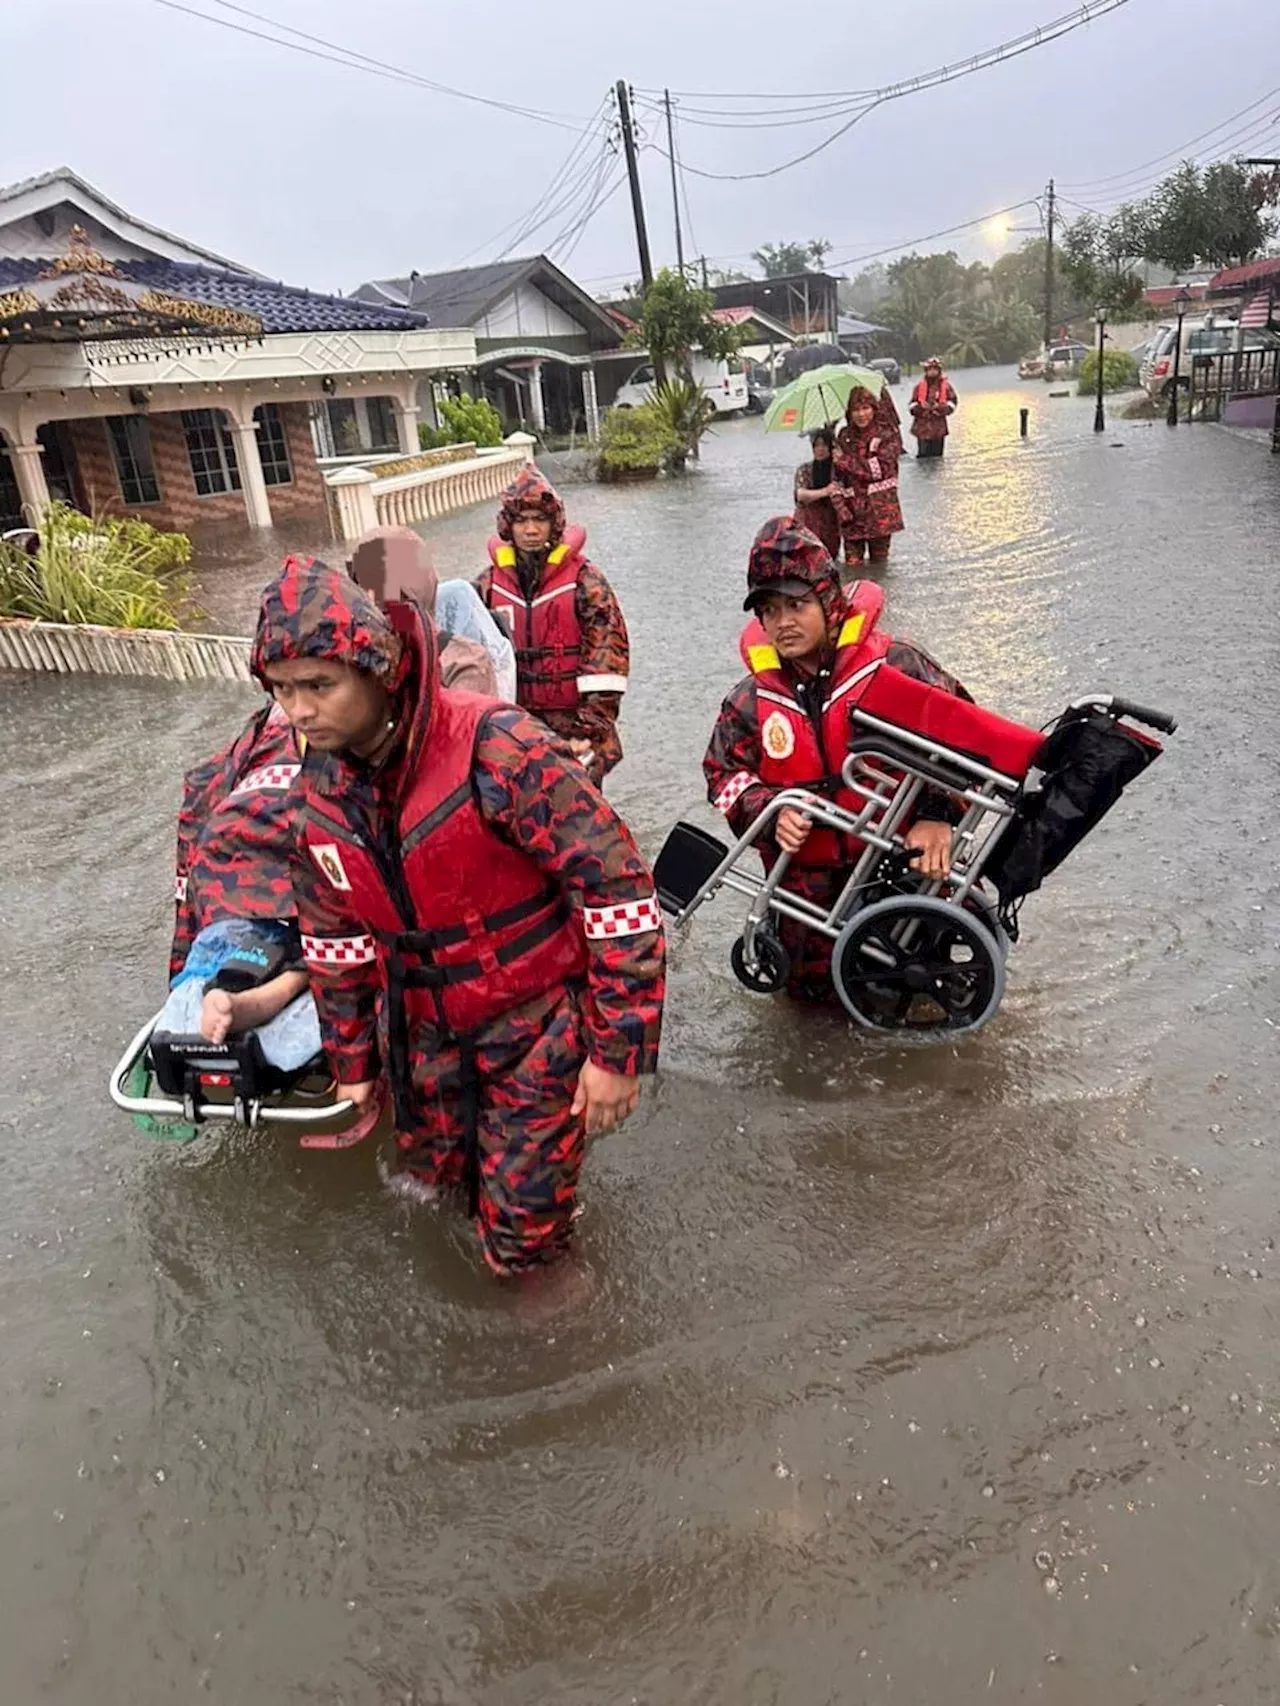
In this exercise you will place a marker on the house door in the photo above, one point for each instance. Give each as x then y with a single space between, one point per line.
10 502
59 466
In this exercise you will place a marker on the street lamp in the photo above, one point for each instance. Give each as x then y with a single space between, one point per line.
1182 301
1099 413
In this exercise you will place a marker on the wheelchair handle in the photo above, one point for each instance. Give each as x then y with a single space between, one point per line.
1161 720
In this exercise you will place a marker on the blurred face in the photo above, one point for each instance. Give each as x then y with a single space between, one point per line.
862 415
336 707
931 372
796 625
531 530
821 450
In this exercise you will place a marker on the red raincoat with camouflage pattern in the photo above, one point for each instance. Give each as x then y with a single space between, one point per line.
573 654
476 921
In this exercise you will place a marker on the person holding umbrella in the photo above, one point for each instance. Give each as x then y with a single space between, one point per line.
933 399
866 493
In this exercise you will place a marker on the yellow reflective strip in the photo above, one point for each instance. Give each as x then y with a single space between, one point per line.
762 658
558 555
302 746
505 556
852 630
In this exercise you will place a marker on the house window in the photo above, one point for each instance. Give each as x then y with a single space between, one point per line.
273 447
361 425
383 434
130 440
211 452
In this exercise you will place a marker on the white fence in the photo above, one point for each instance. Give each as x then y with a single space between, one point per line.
70 650
366 499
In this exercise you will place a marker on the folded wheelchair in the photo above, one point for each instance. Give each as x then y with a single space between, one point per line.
911 956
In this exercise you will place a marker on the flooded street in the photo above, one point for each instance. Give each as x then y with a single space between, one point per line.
899 1377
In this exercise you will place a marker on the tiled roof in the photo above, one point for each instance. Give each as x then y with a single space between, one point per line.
457 298
280 307
1253 272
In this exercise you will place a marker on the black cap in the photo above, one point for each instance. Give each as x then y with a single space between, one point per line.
788 589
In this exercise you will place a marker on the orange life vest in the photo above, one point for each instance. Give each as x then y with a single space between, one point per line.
805 746
545 630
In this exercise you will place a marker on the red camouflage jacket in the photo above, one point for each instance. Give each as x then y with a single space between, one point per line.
606 651
235 832
539 803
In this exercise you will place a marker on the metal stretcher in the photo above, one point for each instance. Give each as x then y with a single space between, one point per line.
910 955
198 1081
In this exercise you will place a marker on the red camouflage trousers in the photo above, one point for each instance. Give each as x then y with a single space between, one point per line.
808 950
528 1146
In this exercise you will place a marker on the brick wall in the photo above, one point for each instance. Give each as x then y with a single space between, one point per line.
180 507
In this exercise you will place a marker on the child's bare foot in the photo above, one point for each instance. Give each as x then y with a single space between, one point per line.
217 1015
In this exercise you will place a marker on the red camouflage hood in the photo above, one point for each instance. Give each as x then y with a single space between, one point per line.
531 490
784 550
313 611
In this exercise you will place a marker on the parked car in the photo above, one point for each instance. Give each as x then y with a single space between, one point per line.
1063 361
759 390
1031 366
724 383
887 365
1207 336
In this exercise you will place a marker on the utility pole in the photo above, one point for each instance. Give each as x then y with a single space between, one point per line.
1048 270
706 283
633 175
675 190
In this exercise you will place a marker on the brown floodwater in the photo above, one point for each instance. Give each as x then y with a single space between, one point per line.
890 1375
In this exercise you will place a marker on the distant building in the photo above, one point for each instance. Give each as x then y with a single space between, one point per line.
805 303
547 354
144 375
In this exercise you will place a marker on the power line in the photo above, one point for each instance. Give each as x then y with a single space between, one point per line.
1028 40
606 195
1012 49
929 236
521 223
1174 153
357 61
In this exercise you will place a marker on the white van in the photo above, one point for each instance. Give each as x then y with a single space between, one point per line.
723 382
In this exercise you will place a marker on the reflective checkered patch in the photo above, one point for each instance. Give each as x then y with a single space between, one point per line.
339 950
272 778
632 919
733 791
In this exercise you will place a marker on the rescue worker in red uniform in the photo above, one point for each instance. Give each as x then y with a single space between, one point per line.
787 726
476 920
572 650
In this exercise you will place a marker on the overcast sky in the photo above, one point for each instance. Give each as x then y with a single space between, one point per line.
325 175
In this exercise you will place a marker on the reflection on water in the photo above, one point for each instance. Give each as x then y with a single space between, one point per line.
866 1345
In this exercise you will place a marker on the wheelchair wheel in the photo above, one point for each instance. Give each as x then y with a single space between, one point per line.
770 969
915 963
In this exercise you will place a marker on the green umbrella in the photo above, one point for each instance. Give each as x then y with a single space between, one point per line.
819 397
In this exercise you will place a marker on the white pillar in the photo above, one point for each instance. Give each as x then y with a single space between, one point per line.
357 508
522 441
537 402
254 488
407 420
590 404
28 471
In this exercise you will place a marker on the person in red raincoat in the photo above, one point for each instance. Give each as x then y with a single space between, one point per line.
932 402
572 650
476 920
818 642
814 484
236 822
866 494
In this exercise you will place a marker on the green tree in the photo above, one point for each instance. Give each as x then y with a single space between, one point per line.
1210 216
1100 253
675 319
781 260
926 301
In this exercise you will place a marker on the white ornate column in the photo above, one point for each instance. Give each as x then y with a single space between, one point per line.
244 435
524 442
537 402
590 404
407 421
28 470
357 507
